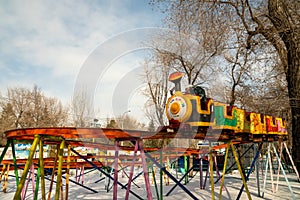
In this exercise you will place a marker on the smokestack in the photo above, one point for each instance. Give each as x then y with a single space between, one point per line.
176 78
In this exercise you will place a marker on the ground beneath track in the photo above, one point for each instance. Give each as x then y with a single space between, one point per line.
233 184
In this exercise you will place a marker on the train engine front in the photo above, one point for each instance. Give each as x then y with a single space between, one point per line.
190 108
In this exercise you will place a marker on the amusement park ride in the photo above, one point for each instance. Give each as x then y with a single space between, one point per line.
191 115
193 110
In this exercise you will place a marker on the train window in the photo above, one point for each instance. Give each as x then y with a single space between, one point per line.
262 119
283 122
229 110
204 105
248 116
274 120
199 91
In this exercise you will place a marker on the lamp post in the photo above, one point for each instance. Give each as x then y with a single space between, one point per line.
123 115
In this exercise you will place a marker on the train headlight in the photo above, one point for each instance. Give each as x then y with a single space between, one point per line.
179 107
174 108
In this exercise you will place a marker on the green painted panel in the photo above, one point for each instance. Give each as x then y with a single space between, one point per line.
221 120
219 115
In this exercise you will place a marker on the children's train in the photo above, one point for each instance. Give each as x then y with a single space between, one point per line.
194 109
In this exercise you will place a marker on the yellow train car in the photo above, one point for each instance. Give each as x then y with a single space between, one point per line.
257 123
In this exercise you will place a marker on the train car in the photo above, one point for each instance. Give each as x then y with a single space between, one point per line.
276 125
272 127
228 117
281 124
191 107
258 123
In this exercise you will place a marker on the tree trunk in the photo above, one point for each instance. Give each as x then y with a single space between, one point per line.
293 79
289 32
292 42
296 136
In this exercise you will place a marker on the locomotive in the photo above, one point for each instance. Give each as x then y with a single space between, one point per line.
193 109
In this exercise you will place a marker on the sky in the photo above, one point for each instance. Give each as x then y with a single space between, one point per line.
62 46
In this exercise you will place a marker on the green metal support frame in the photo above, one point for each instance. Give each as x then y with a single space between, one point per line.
15 162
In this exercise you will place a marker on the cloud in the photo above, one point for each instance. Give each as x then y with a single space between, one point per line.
118 89
44 35
47 42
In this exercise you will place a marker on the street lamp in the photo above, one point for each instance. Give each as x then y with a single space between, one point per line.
123 115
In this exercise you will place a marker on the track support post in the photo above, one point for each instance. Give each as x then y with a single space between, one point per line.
59 170
211 170
115 189
36 140
286 179
224 172
131 171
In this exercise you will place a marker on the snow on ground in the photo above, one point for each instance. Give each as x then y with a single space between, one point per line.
233 184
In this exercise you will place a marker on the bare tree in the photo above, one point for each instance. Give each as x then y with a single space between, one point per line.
129 122
81 109
156 78
23 108
188 52
14 107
